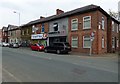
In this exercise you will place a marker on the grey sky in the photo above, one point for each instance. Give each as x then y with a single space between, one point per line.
33 9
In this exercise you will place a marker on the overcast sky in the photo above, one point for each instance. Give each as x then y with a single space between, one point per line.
33 9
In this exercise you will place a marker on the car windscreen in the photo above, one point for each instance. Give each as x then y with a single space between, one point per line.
39 44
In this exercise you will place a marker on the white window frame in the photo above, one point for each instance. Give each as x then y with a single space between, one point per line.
113 24
117 42
73 23
73 38
84 20
117 28
113 42
84 42
103 42
103 23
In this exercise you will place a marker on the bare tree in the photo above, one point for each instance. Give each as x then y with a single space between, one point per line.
113 14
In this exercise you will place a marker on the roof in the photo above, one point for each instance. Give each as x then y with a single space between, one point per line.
4 28
69 13
12 27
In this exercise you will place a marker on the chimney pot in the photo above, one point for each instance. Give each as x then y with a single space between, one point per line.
58 11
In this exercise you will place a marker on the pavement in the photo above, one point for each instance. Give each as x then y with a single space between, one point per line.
85 54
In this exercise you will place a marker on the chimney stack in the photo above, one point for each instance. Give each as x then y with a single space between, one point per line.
58 11
41 17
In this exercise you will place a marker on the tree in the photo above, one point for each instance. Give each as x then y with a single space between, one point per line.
113 14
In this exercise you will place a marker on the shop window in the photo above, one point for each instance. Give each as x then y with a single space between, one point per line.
75 42
74 24
86 42
87 22
55 26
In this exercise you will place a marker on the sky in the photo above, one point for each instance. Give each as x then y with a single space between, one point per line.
30 10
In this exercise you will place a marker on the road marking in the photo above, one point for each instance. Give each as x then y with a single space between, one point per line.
10 74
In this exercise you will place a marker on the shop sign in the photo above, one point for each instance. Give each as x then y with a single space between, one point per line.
38 36
57 33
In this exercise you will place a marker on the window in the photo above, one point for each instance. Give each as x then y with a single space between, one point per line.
117 28
55 26
22 32
11 33
103 23
87 22
117 43
27 32
42 29
113 26
75 42
74 24
113 42
103 46
86 42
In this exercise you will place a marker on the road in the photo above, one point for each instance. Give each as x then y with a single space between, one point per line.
24 65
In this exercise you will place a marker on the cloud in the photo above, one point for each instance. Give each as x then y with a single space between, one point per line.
33 9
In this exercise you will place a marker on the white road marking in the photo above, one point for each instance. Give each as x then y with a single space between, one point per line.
10 74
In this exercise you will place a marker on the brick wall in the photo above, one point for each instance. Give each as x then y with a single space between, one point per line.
99 33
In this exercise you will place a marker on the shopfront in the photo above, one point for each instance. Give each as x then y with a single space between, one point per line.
57 36
39 38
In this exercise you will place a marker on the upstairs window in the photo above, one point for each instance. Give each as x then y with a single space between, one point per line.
27 32
55 26
113 29
74 24
23 32
117 28
42 29
103 23
87 22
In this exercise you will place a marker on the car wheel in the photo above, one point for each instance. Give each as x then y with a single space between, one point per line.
45 50
58 51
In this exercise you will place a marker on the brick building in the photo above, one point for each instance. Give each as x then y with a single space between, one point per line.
5 34
0 35
34 32
14 34
92 19
81 25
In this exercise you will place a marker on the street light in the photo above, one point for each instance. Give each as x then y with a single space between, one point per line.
18 14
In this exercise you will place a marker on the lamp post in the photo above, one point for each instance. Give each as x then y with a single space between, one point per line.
19 16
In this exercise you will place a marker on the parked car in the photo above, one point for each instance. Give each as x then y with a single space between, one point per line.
58 47
13 45
5 44
37 46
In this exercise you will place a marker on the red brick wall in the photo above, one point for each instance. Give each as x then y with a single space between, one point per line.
112 34
40 27
97 43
